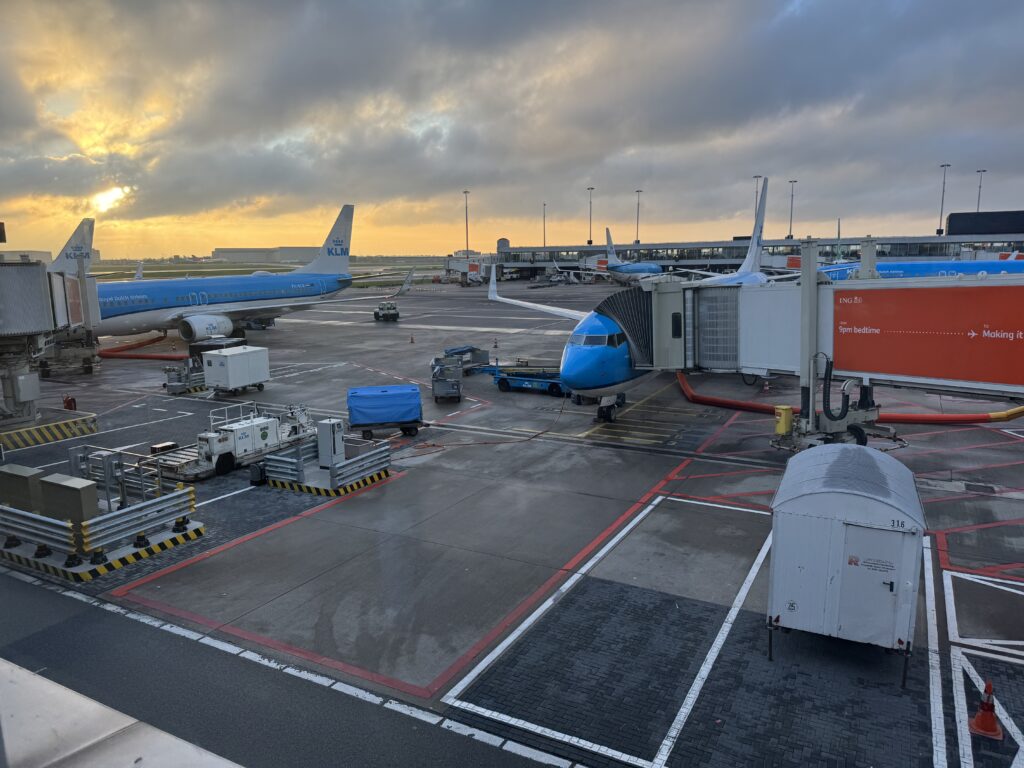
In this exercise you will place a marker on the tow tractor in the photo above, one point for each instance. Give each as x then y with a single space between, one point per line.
238 435
386 310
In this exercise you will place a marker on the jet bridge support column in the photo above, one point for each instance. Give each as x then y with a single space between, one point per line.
808 334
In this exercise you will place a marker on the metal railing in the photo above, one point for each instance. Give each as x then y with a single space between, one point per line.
92 538
361 466
290 465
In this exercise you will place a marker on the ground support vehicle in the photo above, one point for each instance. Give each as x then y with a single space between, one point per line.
377 408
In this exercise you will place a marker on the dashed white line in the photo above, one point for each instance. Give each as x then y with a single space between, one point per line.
359 693
473 733
174 629
251 656
407 709
535 754
310 676
234 650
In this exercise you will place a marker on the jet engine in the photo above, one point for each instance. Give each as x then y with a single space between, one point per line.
200 327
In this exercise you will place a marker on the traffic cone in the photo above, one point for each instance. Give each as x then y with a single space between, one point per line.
495 343
411 339
985 722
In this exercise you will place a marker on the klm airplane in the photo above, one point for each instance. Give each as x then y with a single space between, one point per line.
612 266
596 360
200 308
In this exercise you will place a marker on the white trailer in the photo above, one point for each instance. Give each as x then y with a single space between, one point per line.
235 369
846 547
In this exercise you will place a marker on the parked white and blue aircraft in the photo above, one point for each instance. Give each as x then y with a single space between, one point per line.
613 267
596 361
199 308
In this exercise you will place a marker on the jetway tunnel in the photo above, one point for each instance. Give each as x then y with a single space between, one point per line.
953 334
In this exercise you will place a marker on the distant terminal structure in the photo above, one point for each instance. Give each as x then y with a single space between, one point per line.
284 254
987 235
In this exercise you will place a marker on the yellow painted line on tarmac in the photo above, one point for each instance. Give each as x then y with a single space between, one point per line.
628 408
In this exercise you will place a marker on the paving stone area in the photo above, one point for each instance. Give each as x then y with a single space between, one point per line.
1008 686
610 665
821 702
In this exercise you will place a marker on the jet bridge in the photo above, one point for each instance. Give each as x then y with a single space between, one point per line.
959 334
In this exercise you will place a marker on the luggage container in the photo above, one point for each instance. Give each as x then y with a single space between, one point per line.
847 524
235 369
398 405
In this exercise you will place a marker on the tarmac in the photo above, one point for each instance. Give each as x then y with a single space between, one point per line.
528 585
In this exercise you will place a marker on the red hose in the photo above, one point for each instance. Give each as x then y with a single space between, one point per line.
122 352
883 418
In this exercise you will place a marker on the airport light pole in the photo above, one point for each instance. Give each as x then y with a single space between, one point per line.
637 241
942 203
981 175
544 223
465 194
590 228
792 186
757 182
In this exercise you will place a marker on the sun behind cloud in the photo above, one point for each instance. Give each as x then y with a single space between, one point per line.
110 198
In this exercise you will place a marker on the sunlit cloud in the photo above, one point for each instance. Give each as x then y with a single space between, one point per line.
110 198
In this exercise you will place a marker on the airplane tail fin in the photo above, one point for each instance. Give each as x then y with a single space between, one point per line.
611 258
333 257
138 272
78 246
752 262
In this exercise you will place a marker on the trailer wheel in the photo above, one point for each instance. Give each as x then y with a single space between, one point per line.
259 387
225 463
367 434
410 431
620 399
436 399
503 385
554 390
859 435
376 315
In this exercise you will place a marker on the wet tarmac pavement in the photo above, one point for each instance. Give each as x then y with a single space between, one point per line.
592 593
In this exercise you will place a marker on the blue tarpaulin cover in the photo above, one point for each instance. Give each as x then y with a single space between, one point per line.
393 404
453 351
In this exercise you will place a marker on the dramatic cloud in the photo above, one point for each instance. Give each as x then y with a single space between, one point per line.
241 110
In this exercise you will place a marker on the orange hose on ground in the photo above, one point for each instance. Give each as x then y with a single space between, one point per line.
122 352
884 418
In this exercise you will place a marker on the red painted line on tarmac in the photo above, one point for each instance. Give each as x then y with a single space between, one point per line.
970 469
950 449
982 526
942 550
728 474
123 590
942 431
710 441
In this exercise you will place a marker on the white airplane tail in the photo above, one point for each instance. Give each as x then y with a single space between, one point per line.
333 258
752 262
78 247
611 258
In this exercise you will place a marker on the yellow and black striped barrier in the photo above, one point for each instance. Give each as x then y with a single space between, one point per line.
49 433
104 568
343 490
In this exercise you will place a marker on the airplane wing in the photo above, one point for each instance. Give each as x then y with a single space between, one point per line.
492 295
269 309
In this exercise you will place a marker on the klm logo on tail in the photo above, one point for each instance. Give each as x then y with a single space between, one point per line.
337 248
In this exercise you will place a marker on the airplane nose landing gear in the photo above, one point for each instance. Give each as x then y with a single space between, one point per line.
607 406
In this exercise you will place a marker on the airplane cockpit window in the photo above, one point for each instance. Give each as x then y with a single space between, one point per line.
595 341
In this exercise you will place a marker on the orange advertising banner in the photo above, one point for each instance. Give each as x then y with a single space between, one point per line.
966 334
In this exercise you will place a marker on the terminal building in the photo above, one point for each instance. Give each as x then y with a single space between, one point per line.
283 254
988 235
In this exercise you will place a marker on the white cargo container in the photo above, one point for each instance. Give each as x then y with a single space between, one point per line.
846 546
230 370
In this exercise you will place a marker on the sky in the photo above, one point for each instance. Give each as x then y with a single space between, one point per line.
185 126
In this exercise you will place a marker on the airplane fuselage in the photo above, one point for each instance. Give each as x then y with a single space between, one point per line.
890 269
136 306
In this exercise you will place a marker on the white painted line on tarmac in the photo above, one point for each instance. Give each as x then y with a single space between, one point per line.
145 619
160 410
719 506
550 733
407 709
220 645
963 733
174 629
359 693
473 733
310 676
251 656
226 495
97 434
535 754
78 596
452 697
709 661
934 661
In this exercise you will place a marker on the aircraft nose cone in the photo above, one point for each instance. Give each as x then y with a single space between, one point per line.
583 367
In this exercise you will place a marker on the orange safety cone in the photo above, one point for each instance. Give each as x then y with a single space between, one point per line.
985 723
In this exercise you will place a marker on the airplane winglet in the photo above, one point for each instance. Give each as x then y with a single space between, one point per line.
406 284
